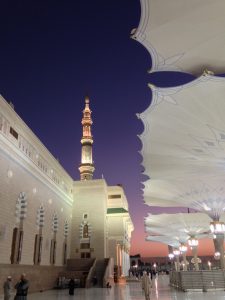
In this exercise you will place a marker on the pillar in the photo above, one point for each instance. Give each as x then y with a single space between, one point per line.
177 263
185 261
194 253
219 246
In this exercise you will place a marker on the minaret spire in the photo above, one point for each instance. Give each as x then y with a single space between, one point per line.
86 167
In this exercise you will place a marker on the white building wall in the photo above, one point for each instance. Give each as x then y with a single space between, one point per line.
27 166
90 197
22 170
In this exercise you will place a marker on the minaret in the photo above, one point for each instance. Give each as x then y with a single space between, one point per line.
86 167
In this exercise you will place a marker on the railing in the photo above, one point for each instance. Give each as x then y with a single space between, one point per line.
198 280
88 283
108 275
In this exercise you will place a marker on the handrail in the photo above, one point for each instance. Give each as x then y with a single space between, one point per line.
108 275
90 274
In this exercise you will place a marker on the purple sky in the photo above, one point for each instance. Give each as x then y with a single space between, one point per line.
52 54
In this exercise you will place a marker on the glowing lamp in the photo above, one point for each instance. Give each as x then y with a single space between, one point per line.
176 252
196 260
183 248
193 242
171 255
217 227
217 255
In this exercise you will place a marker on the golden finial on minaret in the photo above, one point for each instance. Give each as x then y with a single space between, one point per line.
86 167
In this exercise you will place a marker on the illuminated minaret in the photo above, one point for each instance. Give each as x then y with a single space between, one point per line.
86 167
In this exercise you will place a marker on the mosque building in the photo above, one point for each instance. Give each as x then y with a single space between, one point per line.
51 224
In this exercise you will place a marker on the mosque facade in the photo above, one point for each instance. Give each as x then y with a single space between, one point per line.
47 218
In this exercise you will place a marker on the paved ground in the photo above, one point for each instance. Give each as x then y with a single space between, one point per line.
130 291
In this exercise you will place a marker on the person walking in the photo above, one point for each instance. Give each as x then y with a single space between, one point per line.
7 286
146 285
22 288
71 286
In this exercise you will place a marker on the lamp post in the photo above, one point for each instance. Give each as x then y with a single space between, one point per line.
218 229
193 243
176 252
170 250
171 256
183 250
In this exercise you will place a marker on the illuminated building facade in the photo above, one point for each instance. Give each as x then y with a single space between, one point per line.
46 216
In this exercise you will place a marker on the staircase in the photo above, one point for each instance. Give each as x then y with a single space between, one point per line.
85 270
78 269
99 271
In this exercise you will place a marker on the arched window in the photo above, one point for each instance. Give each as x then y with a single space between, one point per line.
66 231
17 238
55 225
85 231
38 237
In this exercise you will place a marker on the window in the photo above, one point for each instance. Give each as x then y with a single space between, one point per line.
114 196
53 252
85 255
85 231
37 249
64 253
84 245
13 133
16 247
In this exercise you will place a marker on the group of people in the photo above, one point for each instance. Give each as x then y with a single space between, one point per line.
21 288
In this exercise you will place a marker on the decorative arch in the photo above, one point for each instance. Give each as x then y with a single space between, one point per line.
85 228
55 226
85 238
66 232
17 238
38 237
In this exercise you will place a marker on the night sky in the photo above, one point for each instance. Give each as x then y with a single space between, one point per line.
52 54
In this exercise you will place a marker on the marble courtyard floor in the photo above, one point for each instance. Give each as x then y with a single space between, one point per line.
130 291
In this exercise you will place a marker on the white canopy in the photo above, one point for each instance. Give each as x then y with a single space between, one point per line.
183 35
168 240
184 145
180 224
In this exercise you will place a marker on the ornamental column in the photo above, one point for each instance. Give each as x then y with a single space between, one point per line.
219 247
86 167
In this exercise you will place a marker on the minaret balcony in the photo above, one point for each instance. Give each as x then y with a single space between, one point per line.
86 140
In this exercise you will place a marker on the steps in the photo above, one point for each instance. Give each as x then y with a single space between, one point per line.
99 271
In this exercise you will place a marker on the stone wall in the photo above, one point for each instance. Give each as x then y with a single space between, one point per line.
40 277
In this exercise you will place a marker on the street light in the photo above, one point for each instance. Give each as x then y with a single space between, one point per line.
217 227
171 256
217 255
192 242
183 248
210 265
176 252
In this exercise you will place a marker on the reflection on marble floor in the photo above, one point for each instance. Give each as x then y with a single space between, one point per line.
130 291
